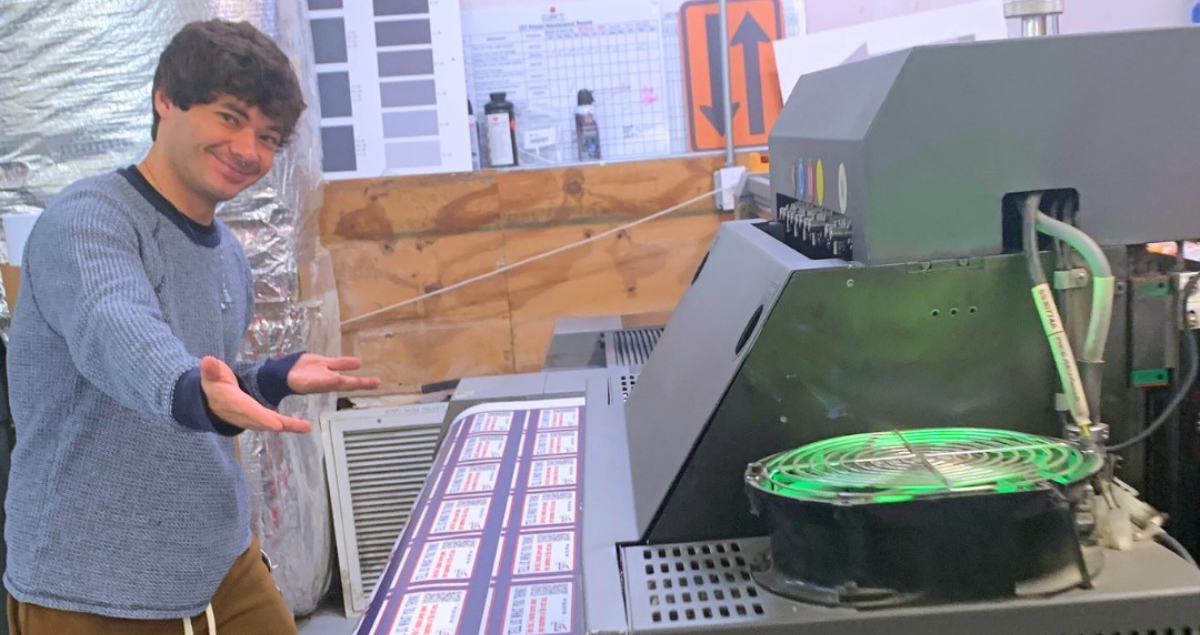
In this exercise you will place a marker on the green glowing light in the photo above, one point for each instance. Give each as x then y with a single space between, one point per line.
890 467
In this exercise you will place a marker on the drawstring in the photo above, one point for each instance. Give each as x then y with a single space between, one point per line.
208 615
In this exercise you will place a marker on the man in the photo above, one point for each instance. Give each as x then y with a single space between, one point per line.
127 509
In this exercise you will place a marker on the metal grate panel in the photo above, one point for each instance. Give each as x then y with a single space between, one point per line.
692 585
708 587
376 463
387 469
630 347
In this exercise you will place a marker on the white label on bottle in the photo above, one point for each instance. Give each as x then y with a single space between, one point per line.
500 148
540 138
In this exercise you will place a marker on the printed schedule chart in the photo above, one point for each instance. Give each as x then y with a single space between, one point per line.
541 57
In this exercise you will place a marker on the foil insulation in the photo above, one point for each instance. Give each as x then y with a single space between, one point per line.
75 100
75 95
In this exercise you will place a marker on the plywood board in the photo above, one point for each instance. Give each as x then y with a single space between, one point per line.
408 355
392 240
387 209
372 276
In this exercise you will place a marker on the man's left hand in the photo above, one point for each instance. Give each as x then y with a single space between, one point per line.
317 374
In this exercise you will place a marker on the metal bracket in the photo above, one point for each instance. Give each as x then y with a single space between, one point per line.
929 266
1070 279
1193 303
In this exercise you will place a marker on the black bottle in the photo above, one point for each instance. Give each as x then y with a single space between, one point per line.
501 131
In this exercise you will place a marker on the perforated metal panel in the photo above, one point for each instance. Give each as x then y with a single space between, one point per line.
708 587
695 583
620 387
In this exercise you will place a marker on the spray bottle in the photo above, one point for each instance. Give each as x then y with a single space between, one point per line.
587 131
501 131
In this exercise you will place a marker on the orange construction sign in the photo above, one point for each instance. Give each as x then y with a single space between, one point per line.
754 87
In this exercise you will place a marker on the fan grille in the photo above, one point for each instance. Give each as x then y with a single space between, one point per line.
885 467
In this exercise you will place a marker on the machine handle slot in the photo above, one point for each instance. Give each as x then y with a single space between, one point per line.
741 343
699 268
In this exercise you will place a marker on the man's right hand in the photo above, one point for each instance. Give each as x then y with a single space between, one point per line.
228 401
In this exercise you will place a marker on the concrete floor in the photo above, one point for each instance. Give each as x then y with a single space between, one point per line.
326 621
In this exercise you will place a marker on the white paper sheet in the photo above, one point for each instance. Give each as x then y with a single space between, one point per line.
800 55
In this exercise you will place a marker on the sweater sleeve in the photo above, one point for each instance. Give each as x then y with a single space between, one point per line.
267 380
90 285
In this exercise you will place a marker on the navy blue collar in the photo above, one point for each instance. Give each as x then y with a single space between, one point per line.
203 235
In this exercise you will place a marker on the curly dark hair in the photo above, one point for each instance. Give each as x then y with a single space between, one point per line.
208 59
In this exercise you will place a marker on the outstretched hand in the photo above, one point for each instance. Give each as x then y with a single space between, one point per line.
235 406
317 374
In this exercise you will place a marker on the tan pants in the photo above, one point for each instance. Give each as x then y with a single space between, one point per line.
246 603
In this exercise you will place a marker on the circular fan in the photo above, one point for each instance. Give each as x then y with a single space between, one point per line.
942 514
897 466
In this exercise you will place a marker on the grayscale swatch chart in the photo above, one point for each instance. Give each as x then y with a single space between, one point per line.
391 86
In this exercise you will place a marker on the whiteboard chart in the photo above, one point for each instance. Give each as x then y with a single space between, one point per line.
540 53
541 56
391 83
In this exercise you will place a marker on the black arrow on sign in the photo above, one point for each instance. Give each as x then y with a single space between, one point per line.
715 114
749 35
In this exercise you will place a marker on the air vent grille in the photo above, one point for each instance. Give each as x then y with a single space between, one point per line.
631 347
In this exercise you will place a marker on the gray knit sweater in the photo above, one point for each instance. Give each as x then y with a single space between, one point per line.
125 498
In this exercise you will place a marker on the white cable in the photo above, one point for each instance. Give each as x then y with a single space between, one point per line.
526 261
209 616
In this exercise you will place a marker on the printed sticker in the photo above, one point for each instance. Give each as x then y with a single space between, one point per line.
461 515
545 553
483 447
552 472
432 613
447 560
538 609
492 422
549 508
558 418
473 478
557 442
